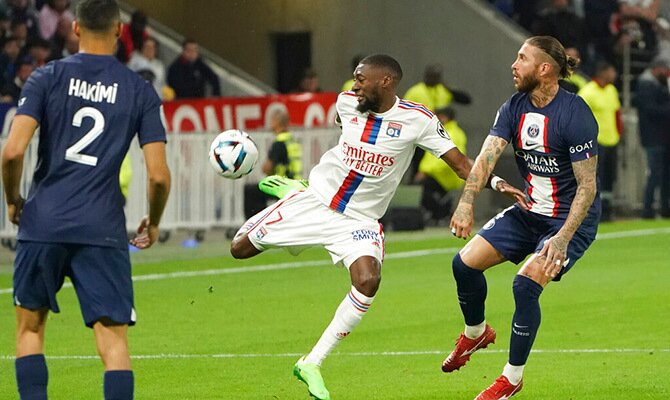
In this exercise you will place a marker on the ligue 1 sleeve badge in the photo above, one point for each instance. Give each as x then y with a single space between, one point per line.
393 129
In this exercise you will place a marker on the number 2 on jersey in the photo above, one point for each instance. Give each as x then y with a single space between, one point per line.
73 153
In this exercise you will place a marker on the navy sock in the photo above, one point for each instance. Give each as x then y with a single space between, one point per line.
526 320
471 289
119 385
32 377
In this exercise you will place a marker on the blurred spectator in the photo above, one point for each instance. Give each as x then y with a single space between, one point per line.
59 38
284 158
436 177
8 57
525 12
21 10
19 30
11 91
354 63
597 15
559 21
52 12
146 59
188 74
5 23
634 27
432 92
577 79
39 51
309 82
653 103
132 35
603 99
285 155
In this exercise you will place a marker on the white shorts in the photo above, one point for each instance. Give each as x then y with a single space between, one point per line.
300 221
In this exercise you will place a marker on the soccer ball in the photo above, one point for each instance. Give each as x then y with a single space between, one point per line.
233 154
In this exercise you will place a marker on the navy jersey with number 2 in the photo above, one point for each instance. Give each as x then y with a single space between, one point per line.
89 108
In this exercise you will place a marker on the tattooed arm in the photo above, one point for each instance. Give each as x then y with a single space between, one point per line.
463 218
556 248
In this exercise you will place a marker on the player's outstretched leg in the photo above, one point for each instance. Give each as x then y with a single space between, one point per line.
365 277
279 186
471 288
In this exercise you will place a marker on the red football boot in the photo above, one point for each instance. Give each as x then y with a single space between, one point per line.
465 347
500 390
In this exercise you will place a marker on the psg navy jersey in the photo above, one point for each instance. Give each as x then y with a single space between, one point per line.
546 141
89 108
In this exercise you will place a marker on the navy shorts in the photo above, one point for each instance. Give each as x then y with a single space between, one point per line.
100 275
516 233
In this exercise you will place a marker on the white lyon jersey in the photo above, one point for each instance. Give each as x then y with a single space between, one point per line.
359 176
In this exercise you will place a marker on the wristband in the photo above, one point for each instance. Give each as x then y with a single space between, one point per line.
494 182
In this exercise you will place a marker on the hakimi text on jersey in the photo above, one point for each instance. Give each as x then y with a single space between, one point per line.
95 92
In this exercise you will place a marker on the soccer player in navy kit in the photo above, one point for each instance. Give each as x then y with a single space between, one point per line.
553 134
89 107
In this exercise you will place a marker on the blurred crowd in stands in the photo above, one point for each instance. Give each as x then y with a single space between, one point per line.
33 33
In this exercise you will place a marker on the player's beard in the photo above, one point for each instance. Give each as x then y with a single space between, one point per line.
369 103
528 83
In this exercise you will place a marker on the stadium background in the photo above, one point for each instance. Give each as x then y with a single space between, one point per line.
207 331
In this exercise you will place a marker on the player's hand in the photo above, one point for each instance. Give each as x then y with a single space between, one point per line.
14 209
147 234
555 250
514 193
462 221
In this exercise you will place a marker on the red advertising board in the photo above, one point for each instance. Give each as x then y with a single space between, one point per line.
248 113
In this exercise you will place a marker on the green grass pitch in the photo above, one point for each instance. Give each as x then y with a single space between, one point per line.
235 331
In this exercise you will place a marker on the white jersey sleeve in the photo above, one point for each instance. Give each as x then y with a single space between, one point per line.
435 139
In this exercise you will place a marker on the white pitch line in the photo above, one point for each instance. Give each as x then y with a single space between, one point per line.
352 354
316 263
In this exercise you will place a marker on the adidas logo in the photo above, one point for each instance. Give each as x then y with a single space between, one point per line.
354 121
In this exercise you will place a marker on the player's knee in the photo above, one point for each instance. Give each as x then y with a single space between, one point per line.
242 248
366 280
460 269
524 287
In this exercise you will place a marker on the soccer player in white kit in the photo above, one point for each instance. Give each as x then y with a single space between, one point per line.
349 191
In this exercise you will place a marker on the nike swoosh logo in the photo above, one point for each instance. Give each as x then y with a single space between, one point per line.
520 326
474 348
529 144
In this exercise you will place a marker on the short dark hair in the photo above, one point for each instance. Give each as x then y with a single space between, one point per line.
554 49
98 15
602 66
188 41
384 61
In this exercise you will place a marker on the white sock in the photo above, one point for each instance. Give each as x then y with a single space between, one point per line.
348 315
513 373
475 331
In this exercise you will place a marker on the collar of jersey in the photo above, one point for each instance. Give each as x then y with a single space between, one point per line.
387 112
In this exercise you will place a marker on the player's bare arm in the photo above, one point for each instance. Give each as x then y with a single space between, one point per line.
555 249
463 218
158 190
20 134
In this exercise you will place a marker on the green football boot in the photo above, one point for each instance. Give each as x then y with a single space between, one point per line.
311 375
280 186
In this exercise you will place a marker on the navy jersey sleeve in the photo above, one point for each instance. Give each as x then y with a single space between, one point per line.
34 94
581 132
502 126
151 128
